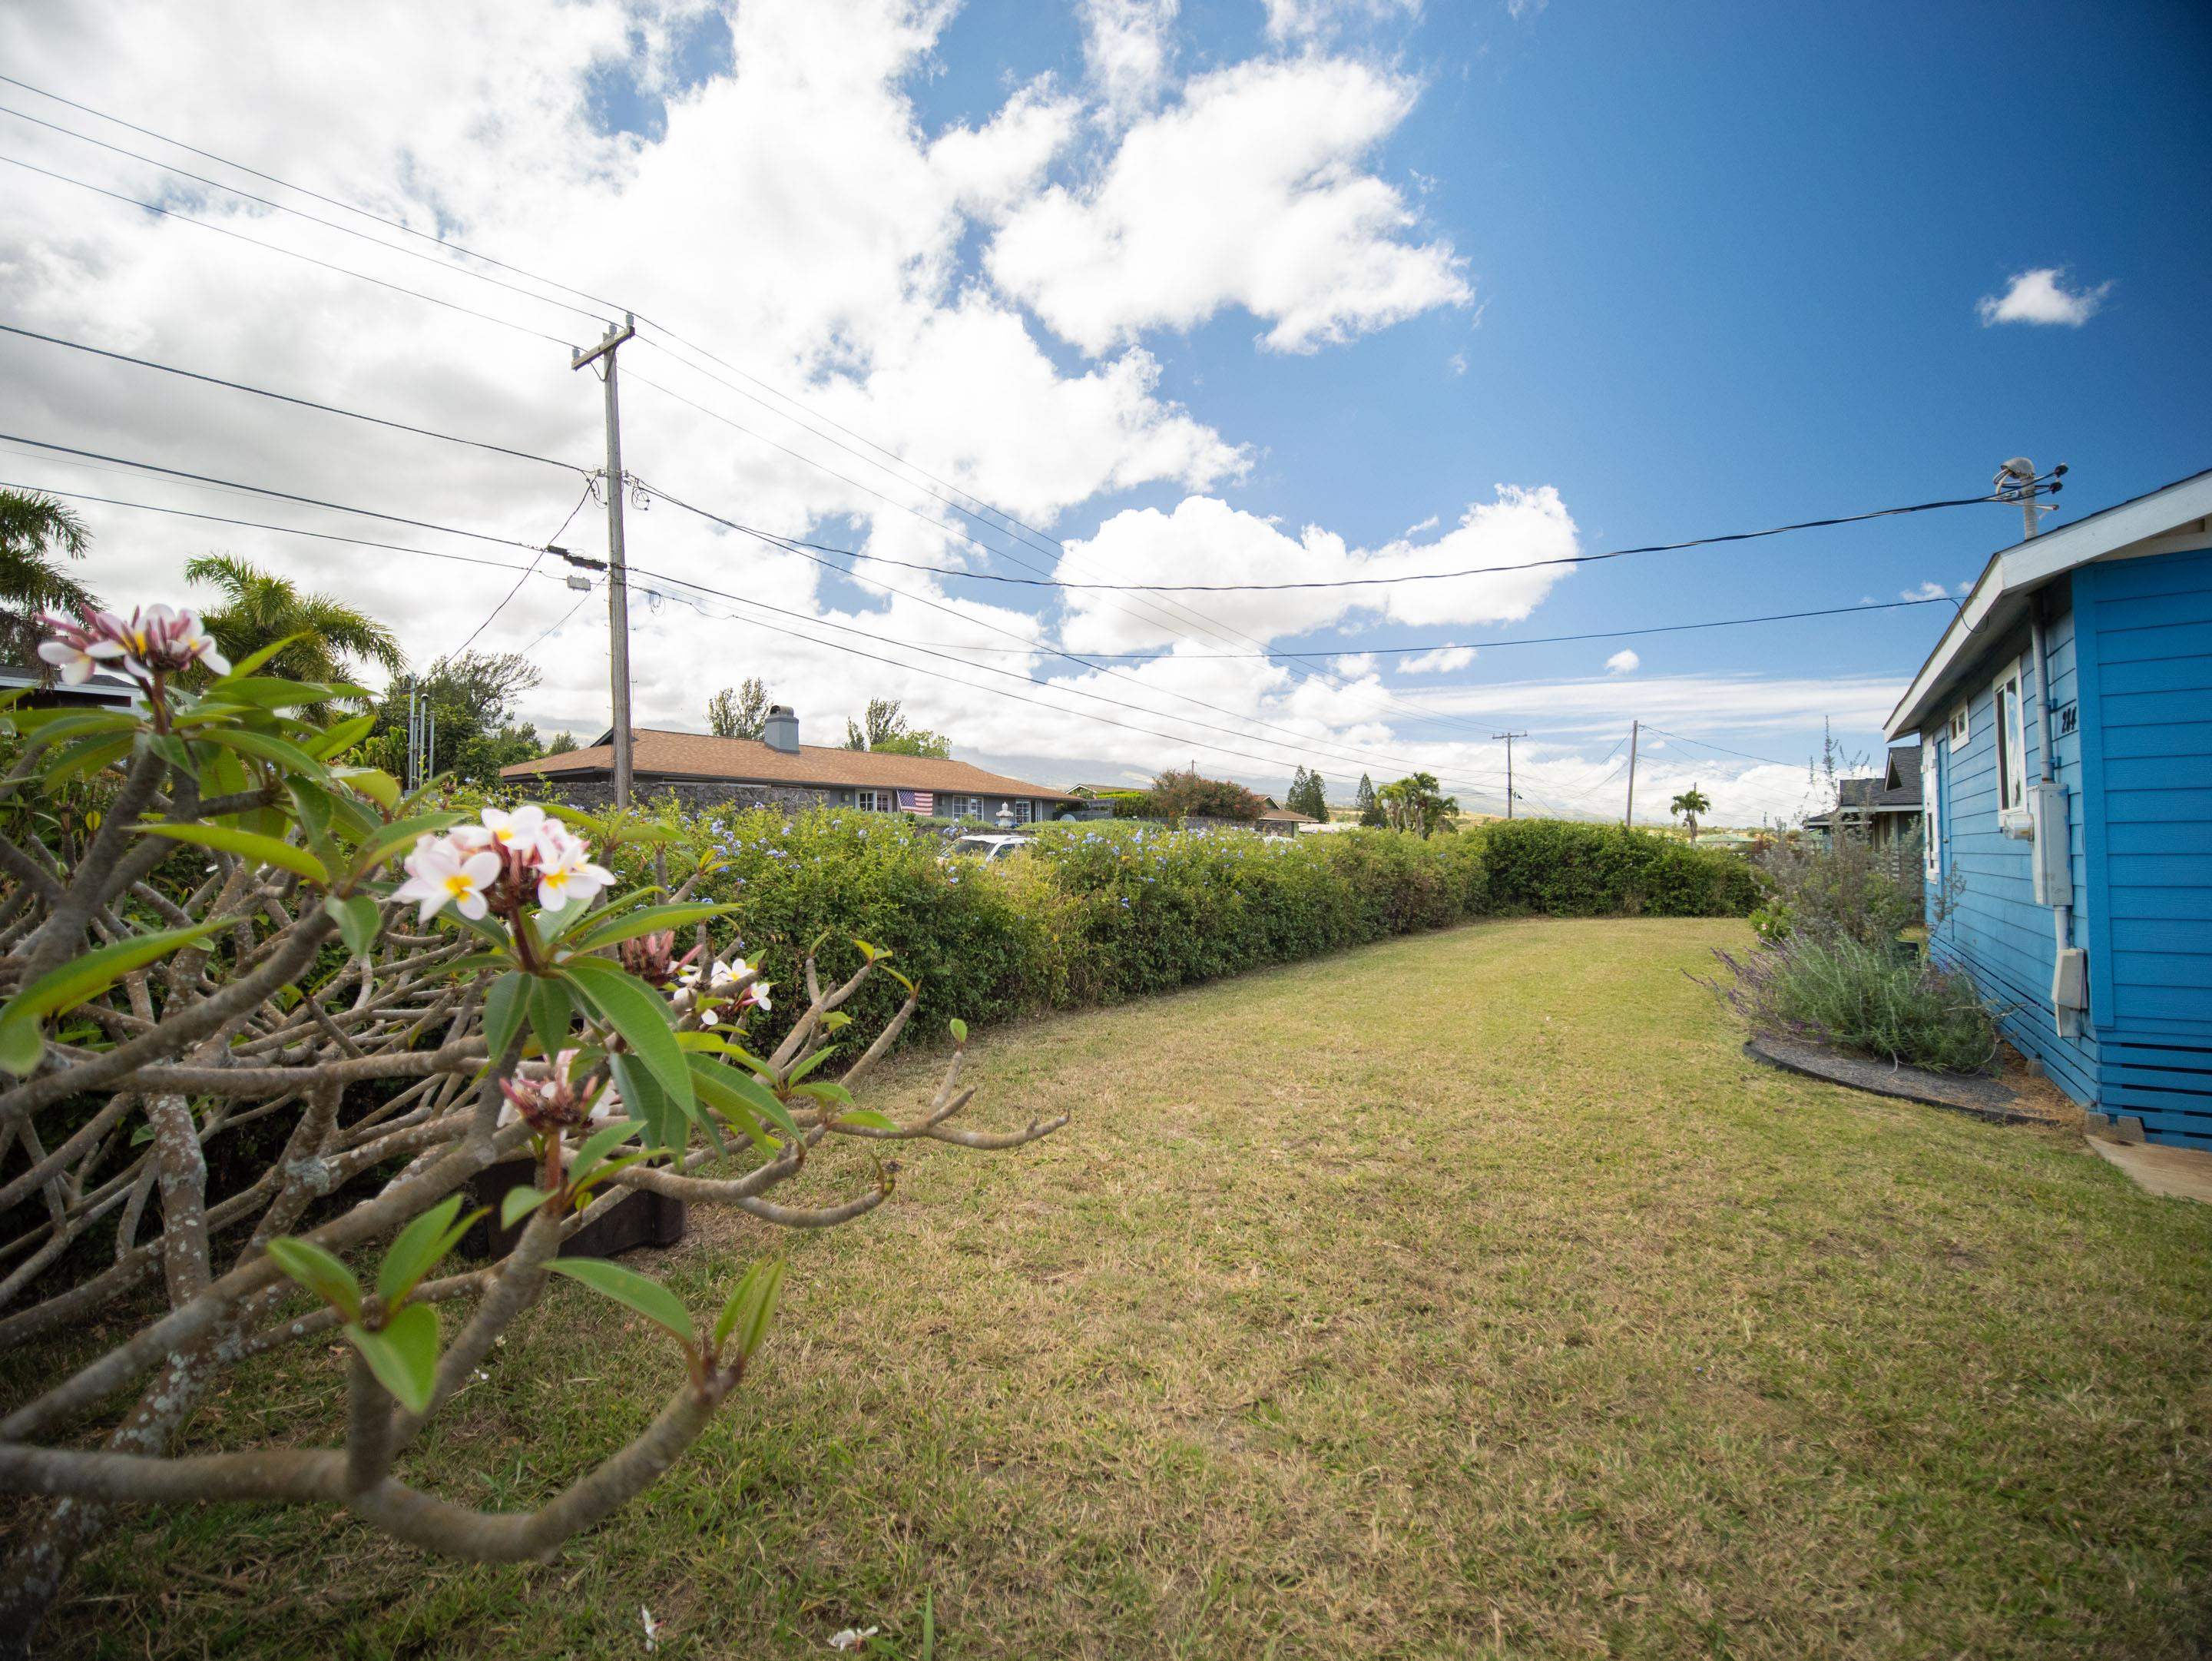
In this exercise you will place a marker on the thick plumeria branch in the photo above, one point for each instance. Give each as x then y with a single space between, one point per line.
202 932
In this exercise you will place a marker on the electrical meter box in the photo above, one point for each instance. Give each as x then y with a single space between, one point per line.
2054 868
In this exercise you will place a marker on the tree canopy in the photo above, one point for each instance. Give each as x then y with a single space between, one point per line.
884 728
1369 806
1308 795
36 532
739 712
258 608
1174 794
1687 806
473 695
1416 803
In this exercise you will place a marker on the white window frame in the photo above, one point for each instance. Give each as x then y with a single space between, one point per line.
2009 745
975 809
876 801
1023 812
1961 727
1931 812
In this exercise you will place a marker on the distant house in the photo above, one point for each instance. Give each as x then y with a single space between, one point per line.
1277 820
1887 811
2065 725
778 770
42 690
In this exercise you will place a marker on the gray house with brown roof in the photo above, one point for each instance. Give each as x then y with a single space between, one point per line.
778 770
1886 810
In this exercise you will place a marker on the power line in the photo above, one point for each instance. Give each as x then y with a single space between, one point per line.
280 495
1321 745
276 247
287 398
1333 582
333 201
1704 744
284 207
258 525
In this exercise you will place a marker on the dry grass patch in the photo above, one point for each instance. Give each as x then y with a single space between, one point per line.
1467 1295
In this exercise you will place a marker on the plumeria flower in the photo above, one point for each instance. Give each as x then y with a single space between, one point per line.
79 649
440 874
653 1627
518 832
852 1638
568 875
546 1097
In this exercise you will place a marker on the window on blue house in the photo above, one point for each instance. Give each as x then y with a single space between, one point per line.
2012 754
1932 814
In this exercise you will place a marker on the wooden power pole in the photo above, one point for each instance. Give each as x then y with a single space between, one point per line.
617 584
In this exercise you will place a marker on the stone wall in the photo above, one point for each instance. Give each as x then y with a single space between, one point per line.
596 796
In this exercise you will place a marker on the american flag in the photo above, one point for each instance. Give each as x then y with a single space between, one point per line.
917 801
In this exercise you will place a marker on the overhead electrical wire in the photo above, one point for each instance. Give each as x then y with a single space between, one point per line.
280 495
289 398
278 247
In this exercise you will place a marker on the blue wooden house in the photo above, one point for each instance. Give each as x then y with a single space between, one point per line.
2065 726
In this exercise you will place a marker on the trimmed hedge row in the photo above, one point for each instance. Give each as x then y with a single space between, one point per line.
1104 911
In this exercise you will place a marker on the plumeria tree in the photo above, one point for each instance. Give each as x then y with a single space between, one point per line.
206 950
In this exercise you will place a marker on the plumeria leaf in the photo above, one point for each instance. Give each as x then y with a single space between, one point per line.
867 1118
320 1272
835 1021
552 1011
641 1094
75 982
626 1286
247 666
959 1029
266 746
267 692
600 1143
505 1007
88 756
610 930
341 737
519 1203
810 1063
358 921
403 1354
378 786
246 845
421 1245
751 1308
640 1017
724 1085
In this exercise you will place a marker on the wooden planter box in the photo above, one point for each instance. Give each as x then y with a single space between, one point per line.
641 1220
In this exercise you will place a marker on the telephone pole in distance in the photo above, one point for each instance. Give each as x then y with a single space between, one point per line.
617 585
1628 818
1508 738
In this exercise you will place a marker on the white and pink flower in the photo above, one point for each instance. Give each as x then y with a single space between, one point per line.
155 640
442 872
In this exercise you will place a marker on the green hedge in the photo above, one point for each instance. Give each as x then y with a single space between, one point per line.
1103 910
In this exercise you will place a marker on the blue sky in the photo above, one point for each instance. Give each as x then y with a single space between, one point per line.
1657 272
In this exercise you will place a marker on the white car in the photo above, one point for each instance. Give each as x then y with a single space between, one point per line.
990 846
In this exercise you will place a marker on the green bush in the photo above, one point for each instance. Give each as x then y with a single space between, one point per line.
1105 910
1879 1001
1560 868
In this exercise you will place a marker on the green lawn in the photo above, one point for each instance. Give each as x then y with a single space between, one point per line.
1467 1295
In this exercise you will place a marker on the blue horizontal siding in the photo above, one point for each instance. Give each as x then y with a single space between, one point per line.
2148 624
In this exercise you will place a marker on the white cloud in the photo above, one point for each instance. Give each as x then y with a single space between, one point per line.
2041 296
1523 10
1925 591
1249 193
1206 540
1456 363
1307 19
1443 661
1127 49
1623 663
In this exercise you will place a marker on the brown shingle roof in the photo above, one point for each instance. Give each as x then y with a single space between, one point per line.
659 754
1274 815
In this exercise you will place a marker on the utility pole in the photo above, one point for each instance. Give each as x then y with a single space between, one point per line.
1628 818
617 583
2018 481
1508 738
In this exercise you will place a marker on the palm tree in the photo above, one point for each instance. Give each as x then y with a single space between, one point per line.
258 608
34 529
1687 806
